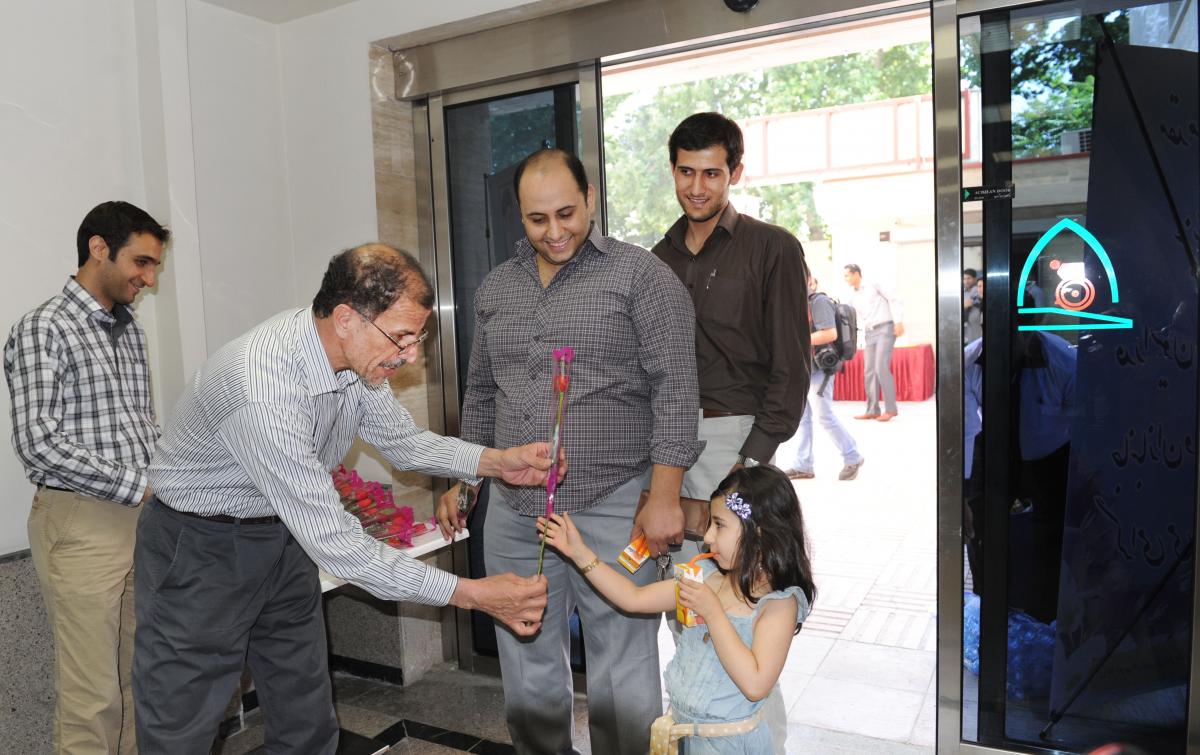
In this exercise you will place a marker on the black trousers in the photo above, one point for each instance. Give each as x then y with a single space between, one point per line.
212 597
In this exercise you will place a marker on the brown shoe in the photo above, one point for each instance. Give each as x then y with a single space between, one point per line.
850 471
886 417
796 474
868 415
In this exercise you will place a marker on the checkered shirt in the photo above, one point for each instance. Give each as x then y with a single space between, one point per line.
633 398
80 388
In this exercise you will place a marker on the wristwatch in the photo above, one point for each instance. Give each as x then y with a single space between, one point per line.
746 461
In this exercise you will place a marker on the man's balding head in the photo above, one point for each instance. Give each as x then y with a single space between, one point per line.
370 279
545 160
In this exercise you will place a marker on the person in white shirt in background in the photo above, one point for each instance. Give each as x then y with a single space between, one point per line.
880 316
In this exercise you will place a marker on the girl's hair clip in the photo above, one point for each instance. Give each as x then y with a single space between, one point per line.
738 505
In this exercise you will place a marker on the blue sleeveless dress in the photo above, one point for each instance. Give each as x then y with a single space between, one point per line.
702 692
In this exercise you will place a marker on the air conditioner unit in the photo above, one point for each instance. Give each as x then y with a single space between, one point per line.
1076 141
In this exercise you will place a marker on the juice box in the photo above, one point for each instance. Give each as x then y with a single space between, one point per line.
635 554
691 570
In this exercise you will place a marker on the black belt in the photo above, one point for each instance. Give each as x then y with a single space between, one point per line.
713 413
61 490
225 518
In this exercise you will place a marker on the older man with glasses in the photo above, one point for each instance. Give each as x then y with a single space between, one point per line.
244 511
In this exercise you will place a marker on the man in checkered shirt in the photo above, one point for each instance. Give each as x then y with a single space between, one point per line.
630 424
84 428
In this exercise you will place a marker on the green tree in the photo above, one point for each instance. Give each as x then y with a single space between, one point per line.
641 195
1052 63
1038 129
791 206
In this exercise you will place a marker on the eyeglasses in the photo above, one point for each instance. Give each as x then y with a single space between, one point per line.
407 343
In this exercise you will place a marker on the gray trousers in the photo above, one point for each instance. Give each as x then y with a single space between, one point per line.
623 688
212 597
877 367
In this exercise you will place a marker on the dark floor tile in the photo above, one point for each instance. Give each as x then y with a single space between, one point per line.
488 747
437 734
356 744
393 734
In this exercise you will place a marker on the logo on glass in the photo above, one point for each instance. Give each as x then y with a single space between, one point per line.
1075 292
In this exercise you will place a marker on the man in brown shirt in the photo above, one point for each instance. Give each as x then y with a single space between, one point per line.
749 286
747 280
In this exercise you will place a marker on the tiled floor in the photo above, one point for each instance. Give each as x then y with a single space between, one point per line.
859 677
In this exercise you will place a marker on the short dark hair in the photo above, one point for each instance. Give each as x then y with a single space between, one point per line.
115 222
854 268
970 271
573 163
773 542
370 279
704 130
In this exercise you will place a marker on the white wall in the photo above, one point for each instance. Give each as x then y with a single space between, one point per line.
251 140
327 117
69 139
241 179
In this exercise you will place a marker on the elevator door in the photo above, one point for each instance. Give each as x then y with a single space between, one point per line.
477 139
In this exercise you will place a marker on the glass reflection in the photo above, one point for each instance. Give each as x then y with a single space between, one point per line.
1080 394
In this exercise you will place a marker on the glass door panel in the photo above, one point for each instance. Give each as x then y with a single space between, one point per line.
477 139
1080 164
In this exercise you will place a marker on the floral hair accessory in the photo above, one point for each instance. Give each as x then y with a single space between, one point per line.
738 505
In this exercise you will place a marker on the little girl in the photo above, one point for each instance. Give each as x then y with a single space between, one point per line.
752 602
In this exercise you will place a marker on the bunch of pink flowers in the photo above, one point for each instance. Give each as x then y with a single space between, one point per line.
375 508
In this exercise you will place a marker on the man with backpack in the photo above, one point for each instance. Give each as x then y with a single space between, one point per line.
833 340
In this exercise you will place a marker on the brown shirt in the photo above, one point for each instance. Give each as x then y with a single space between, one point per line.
749 287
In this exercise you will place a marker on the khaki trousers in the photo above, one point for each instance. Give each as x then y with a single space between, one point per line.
82 549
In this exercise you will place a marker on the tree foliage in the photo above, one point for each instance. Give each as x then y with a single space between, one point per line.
1052 63
640 191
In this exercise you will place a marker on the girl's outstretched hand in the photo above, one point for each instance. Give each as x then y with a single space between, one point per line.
561 534
699 597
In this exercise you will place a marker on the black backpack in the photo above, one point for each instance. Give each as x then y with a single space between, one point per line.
845 320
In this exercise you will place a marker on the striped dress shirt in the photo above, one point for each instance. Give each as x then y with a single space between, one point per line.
261 426
80 386
633 399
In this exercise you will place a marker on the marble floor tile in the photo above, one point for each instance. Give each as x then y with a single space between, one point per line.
346 686
810 740
362 720
446 697
879 666
419 747
857 708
